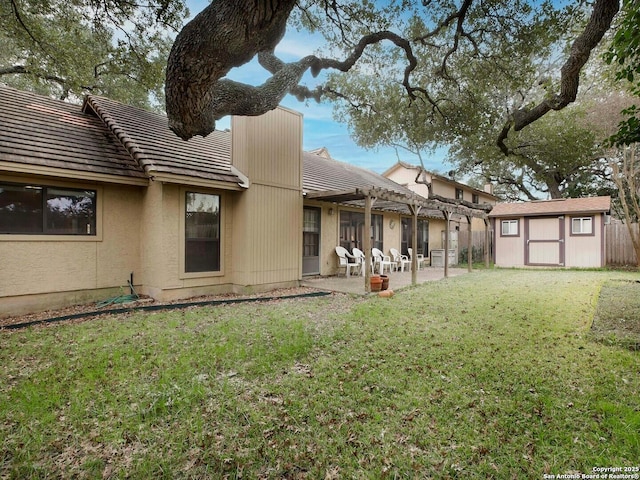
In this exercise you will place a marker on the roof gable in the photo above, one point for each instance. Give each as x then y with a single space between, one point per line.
147 137
558 206
407 166
37 131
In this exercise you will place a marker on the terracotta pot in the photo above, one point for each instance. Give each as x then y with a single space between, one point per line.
385 281
376 283
386 294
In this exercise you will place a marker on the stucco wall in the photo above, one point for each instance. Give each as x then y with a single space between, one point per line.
47 271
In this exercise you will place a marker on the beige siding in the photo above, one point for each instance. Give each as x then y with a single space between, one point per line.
436 227
509 250
391 237
267 228
544 229
445 189
118 254
267 245
544 253
584 251
268 148
407 177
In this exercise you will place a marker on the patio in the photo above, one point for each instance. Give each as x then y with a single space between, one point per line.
355 283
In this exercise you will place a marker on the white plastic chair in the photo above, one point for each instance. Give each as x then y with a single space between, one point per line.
381 260
400 260
344 256
419 258
359 256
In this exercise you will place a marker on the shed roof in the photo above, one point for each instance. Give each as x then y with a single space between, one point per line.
558 206
52 135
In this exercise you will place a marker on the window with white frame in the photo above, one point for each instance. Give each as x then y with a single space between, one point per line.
509 228
582 225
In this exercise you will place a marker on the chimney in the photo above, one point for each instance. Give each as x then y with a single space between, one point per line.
488 188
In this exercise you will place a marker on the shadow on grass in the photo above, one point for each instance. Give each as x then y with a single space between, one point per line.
617 318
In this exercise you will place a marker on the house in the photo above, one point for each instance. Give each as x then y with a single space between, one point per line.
98 196
567 232
431 185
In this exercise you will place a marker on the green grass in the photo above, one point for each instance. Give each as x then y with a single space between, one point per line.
617 318
493 374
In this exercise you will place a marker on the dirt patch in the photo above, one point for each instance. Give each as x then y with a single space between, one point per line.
617 318
104 308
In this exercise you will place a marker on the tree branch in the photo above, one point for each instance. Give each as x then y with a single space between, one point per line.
603 13
22 70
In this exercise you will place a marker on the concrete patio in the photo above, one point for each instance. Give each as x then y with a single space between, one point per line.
355 283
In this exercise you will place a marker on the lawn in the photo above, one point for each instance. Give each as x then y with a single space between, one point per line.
494 374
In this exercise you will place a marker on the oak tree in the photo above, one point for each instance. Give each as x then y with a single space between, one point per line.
68 48
423 34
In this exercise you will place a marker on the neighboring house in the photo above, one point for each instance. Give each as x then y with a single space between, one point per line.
559 233
428 185
93 196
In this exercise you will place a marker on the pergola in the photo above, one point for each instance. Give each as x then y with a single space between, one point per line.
393 201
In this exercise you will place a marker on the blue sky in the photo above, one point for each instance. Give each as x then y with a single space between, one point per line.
320 129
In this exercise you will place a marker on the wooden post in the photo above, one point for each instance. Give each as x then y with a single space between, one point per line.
447 217
368 202
414 243
469 245
487 242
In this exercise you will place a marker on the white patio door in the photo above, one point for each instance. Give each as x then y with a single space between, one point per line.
544 241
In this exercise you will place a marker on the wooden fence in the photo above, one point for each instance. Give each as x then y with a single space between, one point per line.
477 241
618 247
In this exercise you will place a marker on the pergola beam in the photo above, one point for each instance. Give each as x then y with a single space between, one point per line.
415 200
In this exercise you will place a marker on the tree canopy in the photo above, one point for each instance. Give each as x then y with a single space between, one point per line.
625 55
68 48
424 43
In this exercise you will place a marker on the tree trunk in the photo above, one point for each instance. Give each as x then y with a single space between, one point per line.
226 34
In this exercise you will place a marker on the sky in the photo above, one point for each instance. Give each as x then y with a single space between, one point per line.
320 129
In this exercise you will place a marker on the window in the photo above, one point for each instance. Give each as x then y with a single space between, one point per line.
311 232
582 226
352 227
407 236
509 227
202 232
459 194
475 198
37 209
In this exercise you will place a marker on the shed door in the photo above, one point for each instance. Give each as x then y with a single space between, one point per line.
311 241
544 239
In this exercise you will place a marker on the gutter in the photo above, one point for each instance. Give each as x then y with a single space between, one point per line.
244 180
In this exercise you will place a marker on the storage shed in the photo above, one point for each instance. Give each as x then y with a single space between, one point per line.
566 232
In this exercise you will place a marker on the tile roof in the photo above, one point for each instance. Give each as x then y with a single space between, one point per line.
36 130
147 137
320 173
552 207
